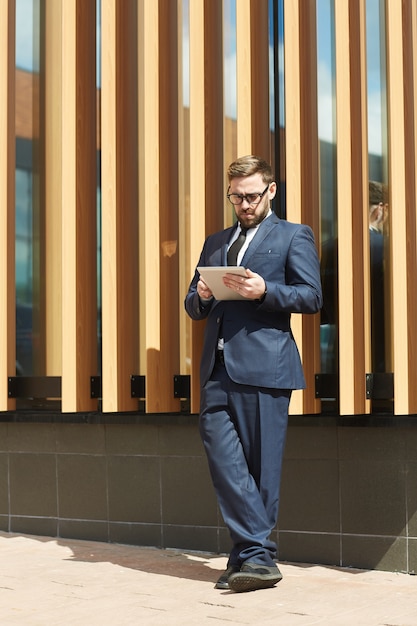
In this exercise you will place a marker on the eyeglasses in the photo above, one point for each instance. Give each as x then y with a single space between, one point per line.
251 198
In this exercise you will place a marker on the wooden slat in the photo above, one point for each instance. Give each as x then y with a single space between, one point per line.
7 201
78 142
302 190
293 150
216 183
119 205
149 202
310 206
183 204
402 209
171 297
53 186
413 208
197 227
207 175
352 206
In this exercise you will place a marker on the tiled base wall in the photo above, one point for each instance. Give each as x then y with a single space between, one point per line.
348 497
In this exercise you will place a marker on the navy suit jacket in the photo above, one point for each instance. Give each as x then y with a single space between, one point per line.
259 347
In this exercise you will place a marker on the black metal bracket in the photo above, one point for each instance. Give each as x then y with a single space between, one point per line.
95 387
137 386
182 386
34 386
327 386
380 386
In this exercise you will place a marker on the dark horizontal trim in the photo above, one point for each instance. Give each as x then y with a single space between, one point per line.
365 420
191 419
34 386
52 417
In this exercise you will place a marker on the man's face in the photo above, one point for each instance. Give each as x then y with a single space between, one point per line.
250 215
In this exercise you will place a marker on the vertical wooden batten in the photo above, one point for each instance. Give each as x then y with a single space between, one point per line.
79 284
7 201
214 118
352 206
207 176
197 209
302 191
401 61
183 202
169 166
119 204
413 207
149 202
53 187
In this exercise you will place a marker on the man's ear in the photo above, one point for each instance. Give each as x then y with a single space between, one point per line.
272 190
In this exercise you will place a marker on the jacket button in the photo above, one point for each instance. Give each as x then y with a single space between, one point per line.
218 320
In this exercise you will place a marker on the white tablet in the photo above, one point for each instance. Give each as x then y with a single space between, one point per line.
213 277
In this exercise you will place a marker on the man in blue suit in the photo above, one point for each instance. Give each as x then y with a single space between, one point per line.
250 364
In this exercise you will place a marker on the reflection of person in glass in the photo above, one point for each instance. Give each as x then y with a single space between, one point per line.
378 211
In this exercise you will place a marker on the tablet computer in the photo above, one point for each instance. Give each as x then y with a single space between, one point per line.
213 277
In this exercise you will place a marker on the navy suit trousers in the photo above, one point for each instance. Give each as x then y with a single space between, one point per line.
243 429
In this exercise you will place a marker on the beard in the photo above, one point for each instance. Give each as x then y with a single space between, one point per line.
253 217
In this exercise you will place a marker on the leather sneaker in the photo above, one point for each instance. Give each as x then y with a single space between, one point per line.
253 576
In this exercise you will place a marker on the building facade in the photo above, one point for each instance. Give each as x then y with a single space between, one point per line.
118 119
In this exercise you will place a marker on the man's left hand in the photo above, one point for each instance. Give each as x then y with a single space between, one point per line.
251 286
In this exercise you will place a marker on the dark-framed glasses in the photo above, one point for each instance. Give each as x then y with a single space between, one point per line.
251 198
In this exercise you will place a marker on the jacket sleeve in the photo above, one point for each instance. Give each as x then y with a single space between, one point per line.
195 307
300 291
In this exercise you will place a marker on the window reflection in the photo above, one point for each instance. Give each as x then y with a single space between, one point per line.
328 197
24 270
30 210
28 205
378 214
378 188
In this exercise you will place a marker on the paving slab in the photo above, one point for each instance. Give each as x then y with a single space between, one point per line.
49 581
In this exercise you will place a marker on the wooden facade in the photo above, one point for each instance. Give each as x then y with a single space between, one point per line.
163 188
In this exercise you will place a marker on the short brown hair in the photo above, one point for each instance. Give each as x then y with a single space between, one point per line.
378 193
249 165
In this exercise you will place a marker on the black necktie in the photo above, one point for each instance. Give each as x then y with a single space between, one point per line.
235 247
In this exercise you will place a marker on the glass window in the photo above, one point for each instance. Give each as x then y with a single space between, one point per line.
378 194
30 174
328 192
27 188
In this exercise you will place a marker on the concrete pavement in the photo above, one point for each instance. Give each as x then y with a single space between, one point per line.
48 581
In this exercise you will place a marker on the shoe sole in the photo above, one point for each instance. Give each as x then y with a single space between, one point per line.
223 581
222 586
246 582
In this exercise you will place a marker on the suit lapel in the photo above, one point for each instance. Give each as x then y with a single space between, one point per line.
264 230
